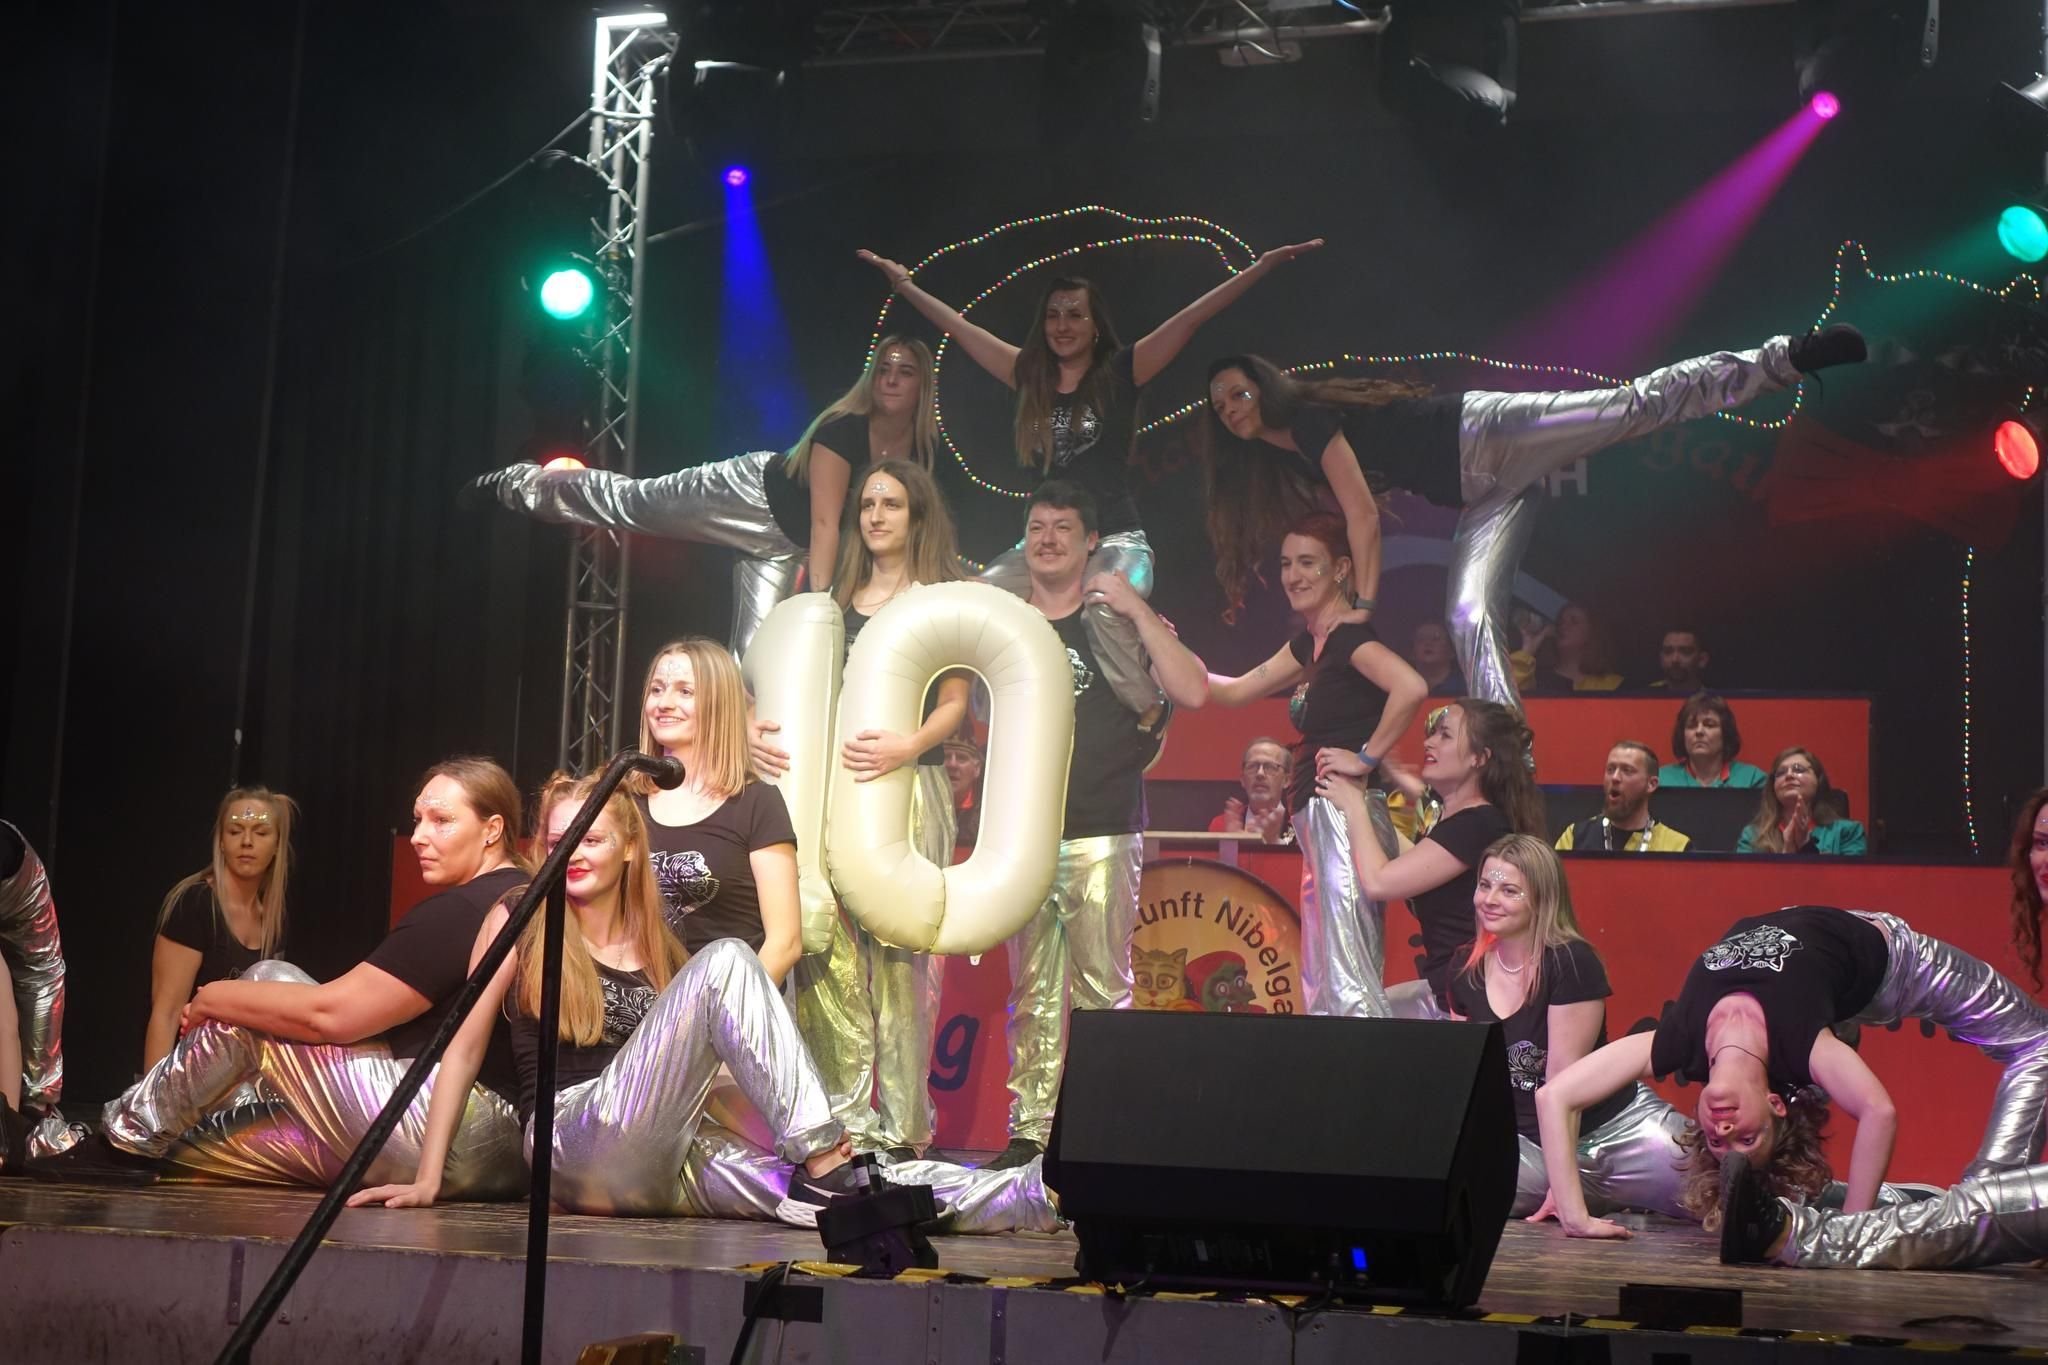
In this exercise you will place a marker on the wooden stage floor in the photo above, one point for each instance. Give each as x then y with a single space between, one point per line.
84 1268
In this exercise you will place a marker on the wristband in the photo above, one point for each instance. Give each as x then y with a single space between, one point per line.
1368 760
1366 603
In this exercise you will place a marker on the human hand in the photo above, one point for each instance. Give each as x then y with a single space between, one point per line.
1341 762
1346 794
1403 779
418 1195
1548 1209
1595 1227
769 761
891 270
1798 826
876 753
1272 826
1233 813
1114 591
1280 255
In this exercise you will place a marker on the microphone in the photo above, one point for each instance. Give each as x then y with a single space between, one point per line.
667 772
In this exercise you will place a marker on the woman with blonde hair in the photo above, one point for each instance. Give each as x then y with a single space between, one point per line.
1801 812
220 921
782 512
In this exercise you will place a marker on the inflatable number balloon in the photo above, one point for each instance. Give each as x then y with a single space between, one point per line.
792 669
898 895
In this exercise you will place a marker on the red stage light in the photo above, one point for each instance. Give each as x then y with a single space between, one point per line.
563 462
2017 450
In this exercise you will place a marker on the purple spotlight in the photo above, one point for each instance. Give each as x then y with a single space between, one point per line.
736 176
1824 104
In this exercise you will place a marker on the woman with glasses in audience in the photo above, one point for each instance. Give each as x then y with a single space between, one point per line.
1801 812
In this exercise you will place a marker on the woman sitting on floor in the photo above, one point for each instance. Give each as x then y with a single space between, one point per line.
1801 812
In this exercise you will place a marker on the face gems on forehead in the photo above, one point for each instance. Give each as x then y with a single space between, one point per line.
250 814
671 668
879 489
895 358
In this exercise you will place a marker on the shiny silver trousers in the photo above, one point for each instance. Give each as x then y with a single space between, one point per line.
721 503
1119 653
1990 1220
868 1011
1508 442
320 1098
1632 1161
1973 1003
1343 934
32 952
1075 954
725 1176
622 1138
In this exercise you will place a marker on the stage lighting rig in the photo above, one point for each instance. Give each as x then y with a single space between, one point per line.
1862 51
1453 64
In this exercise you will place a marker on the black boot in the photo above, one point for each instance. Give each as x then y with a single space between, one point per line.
1839 344
96 1161
1752 1219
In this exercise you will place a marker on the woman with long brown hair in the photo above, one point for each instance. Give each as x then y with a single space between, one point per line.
1272 443
1801 812
219 922
781 511
2028 861
1078 388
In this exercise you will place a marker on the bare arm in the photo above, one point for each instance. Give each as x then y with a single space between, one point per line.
360 1004
774 869
1421 867
173 968
1156 350
1573 1029
876 753
983 347
1361 515
829 472
1176 668
1405 689
1282 670
1856 1090
1558 1106
451 1084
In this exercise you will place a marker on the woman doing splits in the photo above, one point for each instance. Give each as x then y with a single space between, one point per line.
645 1027
31 1007
781 512
1475 757
1752 1023
1353 693
218 923
868 1011
329 1056
1270 442
1077 390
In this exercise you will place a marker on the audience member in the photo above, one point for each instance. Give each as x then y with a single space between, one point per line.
1267 767
1682 661
1624 824
1706 740
963 774
1572 656
1436 659
1801 812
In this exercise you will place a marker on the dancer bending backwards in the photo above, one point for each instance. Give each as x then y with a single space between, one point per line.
329 1056
1076 951
1752 1023
868 1010
218 923
31 1007
645 1027
1475 755
1353 693
1271 442
1078 388
782 512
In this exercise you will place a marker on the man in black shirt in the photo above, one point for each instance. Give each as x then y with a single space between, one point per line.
1076 952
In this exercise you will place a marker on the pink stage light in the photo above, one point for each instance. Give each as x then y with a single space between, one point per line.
1824 104
561 462
2017 450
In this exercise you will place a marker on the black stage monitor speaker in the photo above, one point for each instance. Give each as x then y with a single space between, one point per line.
1366 1159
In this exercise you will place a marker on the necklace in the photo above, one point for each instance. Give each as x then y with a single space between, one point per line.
1744 1051
1501 962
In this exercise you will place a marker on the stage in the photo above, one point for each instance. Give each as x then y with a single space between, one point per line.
100 1274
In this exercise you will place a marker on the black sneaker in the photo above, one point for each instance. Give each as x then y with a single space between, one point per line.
809 1193
1020 1152
902 1152
14 1134
96 1161
1839 344
1752 1219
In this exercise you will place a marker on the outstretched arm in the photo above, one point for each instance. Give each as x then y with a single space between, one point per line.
1559 1103
1361 517
1176 668
983 347
1855 1089
1156 350
1282 670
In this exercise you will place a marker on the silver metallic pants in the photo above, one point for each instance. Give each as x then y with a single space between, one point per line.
725 1176
1118 651
1343 935
320 1100
1508 442
721 503
868 1011
1632 1161
1075 954
33 953
1975 1004
622 1138
1990 1220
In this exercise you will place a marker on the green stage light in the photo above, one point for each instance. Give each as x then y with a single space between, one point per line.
567 293
2023 232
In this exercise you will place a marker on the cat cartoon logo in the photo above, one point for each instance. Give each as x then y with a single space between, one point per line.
1212 938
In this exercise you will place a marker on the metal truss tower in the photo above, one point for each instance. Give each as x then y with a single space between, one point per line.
631 54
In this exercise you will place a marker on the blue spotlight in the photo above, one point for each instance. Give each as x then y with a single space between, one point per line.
736 176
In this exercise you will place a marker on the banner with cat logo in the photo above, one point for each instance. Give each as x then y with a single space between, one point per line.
1214 938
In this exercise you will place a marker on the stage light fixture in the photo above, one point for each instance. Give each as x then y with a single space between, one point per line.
567 292
2017 444
2029 101
735 177
2023 232
1864 50
1824 104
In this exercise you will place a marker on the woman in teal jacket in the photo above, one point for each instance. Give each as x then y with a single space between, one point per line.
1801 813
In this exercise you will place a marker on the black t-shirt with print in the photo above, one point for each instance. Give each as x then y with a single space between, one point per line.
1808 966
932 757
789 499
1093 449
429 951
1445 912
1334 707
1106 778
1572 972
705 871
627 998
1409 443
194 923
